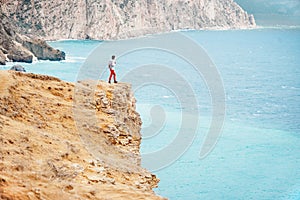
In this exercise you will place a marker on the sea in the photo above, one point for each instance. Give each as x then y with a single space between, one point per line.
252 95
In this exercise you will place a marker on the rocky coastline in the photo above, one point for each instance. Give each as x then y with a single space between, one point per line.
20 27
18 47
42 154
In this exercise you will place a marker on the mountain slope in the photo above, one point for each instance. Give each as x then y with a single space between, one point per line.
113 19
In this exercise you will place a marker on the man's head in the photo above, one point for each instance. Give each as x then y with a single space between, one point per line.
113 57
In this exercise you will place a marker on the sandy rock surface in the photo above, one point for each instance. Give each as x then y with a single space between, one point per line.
50 151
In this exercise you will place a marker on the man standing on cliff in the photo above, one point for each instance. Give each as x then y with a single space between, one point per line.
111 65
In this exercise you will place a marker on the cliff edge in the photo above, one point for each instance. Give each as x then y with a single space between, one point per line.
43 154
115 19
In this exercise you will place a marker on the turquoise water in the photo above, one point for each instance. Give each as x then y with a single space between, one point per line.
258 153
76 53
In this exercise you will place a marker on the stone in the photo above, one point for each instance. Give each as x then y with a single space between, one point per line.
18 68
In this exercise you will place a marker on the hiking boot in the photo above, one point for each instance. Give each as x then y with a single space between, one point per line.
115 81
109 82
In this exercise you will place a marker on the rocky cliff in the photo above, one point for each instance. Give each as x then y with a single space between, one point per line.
113 19
43 154
21 48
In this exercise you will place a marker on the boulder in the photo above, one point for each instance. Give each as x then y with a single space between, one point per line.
18 68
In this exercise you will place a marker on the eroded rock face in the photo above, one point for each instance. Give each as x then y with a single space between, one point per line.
20 56
114 19
2 58
21 48
43 154
42 50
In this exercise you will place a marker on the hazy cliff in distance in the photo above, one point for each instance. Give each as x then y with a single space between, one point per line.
113 19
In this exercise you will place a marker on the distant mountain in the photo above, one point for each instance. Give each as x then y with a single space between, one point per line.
113 19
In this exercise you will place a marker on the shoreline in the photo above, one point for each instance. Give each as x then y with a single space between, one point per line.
257 27
11 63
